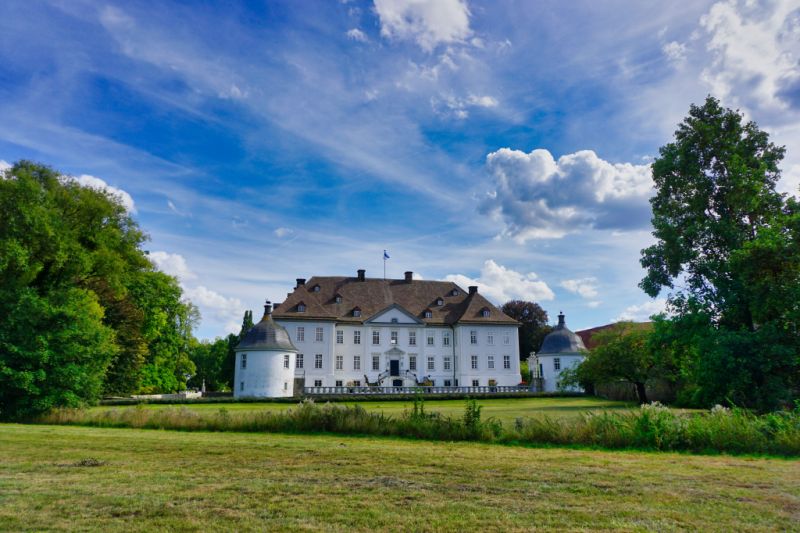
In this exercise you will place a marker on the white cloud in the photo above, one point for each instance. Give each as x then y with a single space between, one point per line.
207 300
459 107
428 23
357 35
642 312
283 232
500 284
172 264
594 304
755 49
92 182
538 197
233 93
675 51
584 287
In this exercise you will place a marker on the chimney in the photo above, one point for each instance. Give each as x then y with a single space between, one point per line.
409 277
361 274
473 289
300 282
561 321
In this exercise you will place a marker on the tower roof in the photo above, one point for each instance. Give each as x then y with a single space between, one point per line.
561 340
267 335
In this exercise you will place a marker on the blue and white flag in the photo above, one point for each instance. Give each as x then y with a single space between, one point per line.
385 255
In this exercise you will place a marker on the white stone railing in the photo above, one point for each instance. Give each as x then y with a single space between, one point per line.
497 389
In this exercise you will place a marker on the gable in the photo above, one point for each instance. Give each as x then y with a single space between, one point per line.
394 314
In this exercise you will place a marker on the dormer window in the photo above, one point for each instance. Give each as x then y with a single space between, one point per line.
301 307
485 312
454 292
439 301
427 313
315 288
338 298
357 312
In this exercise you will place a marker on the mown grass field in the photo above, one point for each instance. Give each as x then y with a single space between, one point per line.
151 480
504 409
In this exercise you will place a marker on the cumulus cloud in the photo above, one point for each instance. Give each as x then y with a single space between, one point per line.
583 287
500 284
283 232
675 52
644 311
427 23
93 182
755 49
357 35
221 308
538 197
172 264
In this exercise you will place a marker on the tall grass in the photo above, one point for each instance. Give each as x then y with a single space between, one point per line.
652 427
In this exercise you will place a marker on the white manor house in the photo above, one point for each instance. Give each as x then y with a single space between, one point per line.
359 331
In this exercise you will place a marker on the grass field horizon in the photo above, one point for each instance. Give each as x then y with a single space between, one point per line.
79 478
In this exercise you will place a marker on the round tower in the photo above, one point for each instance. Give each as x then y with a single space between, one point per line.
562 348
265 360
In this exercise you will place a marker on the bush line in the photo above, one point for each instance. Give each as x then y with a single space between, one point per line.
652 427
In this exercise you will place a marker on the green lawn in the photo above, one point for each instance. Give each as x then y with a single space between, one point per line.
504 409
149 480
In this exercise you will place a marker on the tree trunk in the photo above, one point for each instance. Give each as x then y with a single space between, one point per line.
641 392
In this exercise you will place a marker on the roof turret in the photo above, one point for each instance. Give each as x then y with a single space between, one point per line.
267 335
561 340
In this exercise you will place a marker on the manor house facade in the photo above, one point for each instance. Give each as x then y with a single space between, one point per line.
358 331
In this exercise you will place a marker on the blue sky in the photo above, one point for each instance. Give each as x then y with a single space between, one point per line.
503 143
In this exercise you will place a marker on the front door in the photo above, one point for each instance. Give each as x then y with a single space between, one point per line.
394 367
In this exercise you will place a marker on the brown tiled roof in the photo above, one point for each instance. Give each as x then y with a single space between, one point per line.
374 295
587 334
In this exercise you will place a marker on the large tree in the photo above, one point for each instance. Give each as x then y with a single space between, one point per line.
723 235
534 324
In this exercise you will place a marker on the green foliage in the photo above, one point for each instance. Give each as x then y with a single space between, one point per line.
534 326
652 427
87 312
734 243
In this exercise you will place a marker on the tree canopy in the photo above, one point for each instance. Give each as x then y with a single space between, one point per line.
534 324
727 246
85 310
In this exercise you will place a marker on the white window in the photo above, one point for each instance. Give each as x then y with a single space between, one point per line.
447 383
431 363
339 362
506 339
357 337
356 362
507 362
475 383
412 337
490 338
428 314
318 360
556 363
298 363
356 382
318 335
446 338
485 313
447 363
285 385
241 385
490 362
376 336
393 337
431 340
301 334
338 299
339 336
338 382
473 337
439 301
474 362
316 288
301 308
318 383
376 362
286 360
412 362
356 312
244 360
